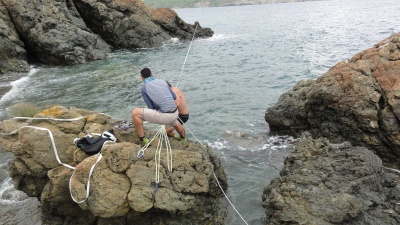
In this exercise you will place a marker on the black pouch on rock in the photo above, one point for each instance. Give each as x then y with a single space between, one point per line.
93 145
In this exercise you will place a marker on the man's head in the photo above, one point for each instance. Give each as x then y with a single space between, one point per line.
145 73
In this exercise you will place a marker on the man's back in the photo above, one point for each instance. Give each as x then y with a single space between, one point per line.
180 101
160 96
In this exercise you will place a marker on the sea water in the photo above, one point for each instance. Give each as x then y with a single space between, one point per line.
257 53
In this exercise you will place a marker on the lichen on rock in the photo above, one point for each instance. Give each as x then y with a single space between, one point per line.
121 184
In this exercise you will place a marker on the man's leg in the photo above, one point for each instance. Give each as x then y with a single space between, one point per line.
137 119
179 128
170 131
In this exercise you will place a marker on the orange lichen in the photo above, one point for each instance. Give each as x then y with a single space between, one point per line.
90 118
53 112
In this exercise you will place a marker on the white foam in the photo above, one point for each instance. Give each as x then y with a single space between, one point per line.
219 37
174 40
220 144
8 193
278 142
16 86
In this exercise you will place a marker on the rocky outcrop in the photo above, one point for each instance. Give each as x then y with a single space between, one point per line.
131 24
12 49
122 186
354 101
54 32
68 32
323 183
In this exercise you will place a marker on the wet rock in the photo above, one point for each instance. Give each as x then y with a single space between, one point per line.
12 50
131 24
123 187
54 32
354 101
69 32
324 183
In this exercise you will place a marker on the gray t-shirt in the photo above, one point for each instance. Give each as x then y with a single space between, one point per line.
158 95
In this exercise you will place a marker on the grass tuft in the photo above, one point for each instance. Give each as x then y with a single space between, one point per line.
24 109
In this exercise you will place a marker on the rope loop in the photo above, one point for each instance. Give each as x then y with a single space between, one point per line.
163 140
107 134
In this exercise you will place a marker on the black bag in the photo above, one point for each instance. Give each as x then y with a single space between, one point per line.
93 145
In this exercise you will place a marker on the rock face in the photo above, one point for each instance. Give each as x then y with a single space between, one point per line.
54 32
67 32
131 24
122 186
323 183
354 101
12 49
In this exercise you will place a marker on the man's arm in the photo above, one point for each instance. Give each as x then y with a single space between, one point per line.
173 93
147 99
178 98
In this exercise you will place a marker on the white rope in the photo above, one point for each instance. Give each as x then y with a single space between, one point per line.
56 152
163 138
144 148
398 171
88 182
219 185
56 119
169 153
184 62
157 159
87 189
52 143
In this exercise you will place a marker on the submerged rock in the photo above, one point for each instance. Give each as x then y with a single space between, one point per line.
122 186
354 101
323 183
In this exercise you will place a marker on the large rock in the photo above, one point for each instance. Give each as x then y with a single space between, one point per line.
67 32
356 101
323 183
122 186
12 49
54 32
131 24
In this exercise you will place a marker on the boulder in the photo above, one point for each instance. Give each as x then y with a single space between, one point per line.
324 183
131 24
12 50
68 32
355 100
124 188
54 33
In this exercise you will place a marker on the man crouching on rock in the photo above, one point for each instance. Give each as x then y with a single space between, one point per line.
162 109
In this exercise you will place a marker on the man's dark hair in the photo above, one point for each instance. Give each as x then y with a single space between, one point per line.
145 73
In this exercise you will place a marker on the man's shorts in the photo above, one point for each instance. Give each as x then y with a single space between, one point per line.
183 118
154 116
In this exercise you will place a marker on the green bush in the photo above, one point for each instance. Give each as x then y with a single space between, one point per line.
24 109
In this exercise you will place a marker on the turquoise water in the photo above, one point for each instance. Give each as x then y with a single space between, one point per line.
257 53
